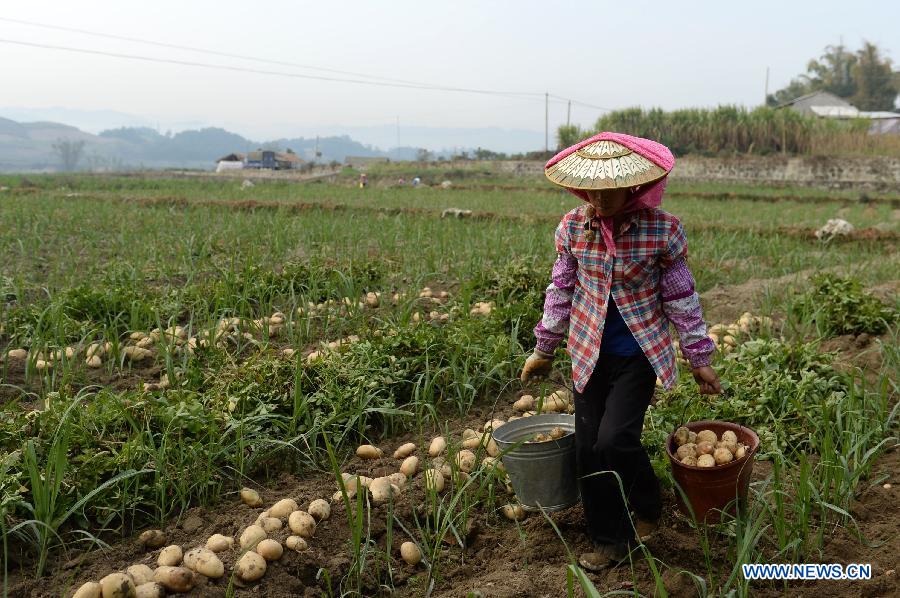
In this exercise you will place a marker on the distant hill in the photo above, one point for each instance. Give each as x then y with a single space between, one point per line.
29 146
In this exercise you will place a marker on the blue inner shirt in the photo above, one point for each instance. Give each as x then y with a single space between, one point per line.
617 338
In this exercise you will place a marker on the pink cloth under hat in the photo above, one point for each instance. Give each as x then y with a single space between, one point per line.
644 196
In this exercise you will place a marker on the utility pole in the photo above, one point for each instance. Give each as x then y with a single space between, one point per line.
766 97
398 130
546 121
568 113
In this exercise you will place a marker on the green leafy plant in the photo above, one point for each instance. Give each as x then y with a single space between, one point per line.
837 305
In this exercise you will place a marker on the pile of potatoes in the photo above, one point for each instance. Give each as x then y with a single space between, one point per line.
726 337
705 449
258 543
42 360
556 402
554 434
178 571
435 296
338 346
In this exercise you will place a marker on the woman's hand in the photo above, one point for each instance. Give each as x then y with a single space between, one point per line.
707 380
537 365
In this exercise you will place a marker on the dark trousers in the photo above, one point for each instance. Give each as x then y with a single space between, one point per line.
609 417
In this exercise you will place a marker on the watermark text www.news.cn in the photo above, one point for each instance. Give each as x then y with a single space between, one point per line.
807 571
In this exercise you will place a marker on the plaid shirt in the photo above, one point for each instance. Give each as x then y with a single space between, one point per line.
650 244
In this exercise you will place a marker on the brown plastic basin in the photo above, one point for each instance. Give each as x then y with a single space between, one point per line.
712 490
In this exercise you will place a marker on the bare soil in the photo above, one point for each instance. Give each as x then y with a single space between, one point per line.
500 559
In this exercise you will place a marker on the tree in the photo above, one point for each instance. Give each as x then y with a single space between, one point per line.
423 155
833 72
69 152
567 135
864 78
875 86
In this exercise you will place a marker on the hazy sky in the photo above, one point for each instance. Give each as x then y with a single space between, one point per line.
611 54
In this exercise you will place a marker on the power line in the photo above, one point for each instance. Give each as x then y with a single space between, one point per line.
580 103
417 84
261 71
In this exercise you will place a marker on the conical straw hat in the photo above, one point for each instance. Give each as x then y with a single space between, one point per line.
604 164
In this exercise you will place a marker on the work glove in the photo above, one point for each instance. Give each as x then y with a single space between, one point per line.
537 365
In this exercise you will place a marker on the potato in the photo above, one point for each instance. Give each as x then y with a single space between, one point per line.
682 436
151 589
319 509
169 556
705 448
302 524
283 508
465 461
438 446
728 444
469 433
514 512
410 553
474 442
251 497
381 489
729 436
269 549
434 480
117 585
251 567
139 574
398 479
368 451
409 466
706 461
490 463
270 524
18 355
174 579
524 403
492 425
204 562
692 437
405 451
296 543
152 538
707 436
136 353
686 450
492 449
740 452
91 589
219 543
722 456
252 535
690 460
94 361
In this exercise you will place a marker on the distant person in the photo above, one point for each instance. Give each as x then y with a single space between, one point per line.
401 181
620 279
363 181
416 181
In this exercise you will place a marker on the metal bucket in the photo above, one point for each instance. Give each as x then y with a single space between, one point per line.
542 473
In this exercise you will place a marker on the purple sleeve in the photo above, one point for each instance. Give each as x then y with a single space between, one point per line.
558 300
681 303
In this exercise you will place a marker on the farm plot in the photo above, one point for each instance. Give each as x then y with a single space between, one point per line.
275 340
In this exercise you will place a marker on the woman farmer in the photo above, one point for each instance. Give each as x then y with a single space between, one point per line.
619 280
